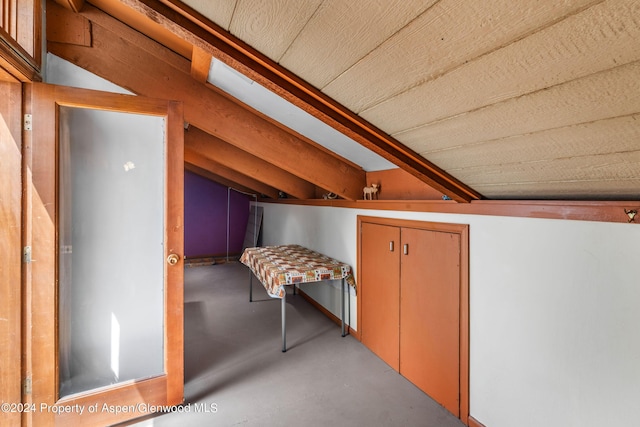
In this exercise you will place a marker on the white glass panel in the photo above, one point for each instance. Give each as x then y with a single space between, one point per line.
111 257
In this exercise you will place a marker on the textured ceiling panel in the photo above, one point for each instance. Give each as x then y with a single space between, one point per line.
612 93
342 32
617 135
254 22
599 38
444 37
605 167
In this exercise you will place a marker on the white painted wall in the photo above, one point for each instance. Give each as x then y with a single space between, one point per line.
554 310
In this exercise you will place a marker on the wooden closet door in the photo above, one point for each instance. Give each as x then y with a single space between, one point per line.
380 290
430 314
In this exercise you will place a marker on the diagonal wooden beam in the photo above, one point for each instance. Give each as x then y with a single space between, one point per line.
218 179
73 5
198 30
124 57
226 154
229 175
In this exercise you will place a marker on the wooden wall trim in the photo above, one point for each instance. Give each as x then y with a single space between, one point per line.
475 423
603 211
398 184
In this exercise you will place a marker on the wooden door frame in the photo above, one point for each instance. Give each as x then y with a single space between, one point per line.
463 231
11 248
39 279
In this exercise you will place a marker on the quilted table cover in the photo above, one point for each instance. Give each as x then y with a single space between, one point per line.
277 266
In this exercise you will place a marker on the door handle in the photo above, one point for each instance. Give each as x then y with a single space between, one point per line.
391 246
405 249
173 259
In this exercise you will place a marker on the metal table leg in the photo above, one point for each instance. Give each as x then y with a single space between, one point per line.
284 323
250 286
342 303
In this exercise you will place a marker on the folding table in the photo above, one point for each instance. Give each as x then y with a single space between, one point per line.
280 266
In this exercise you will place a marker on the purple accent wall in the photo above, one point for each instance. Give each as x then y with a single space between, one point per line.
205 217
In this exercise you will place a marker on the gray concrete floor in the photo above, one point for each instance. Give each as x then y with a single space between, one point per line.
236 373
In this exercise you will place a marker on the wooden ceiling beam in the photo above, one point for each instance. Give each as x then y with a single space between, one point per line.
217 178
198 30
226 154
229 175
72 5
123 56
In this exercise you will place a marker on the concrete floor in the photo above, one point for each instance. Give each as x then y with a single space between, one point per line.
236 373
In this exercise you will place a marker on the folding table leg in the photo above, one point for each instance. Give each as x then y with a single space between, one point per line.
342 304
284 323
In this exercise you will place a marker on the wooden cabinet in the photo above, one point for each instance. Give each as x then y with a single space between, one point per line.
21 40
414 303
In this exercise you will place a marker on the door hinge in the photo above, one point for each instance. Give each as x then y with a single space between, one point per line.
28 123
26 254
26 385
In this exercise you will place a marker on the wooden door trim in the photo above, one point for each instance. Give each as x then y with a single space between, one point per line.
11 246
463 231
174 238
601 211
132 397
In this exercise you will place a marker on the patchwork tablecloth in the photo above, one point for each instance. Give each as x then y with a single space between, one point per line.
278 266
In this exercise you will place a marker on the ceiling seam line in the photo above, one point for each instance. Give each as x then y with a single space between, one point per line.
293 40
477 57
520 135
337 76
445 119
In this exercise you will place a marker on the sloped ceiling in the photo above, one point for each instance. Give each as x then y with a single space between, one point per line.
527 99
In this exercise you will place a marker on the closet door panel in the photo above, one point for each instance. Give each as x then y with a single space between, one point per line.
429 314
380 290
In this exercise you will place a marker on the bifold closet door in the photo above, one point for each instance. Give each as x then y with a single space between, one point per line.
380 290
430 314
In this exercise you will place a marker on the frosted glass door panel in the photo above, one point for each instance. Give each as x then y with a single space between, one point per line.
111 257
